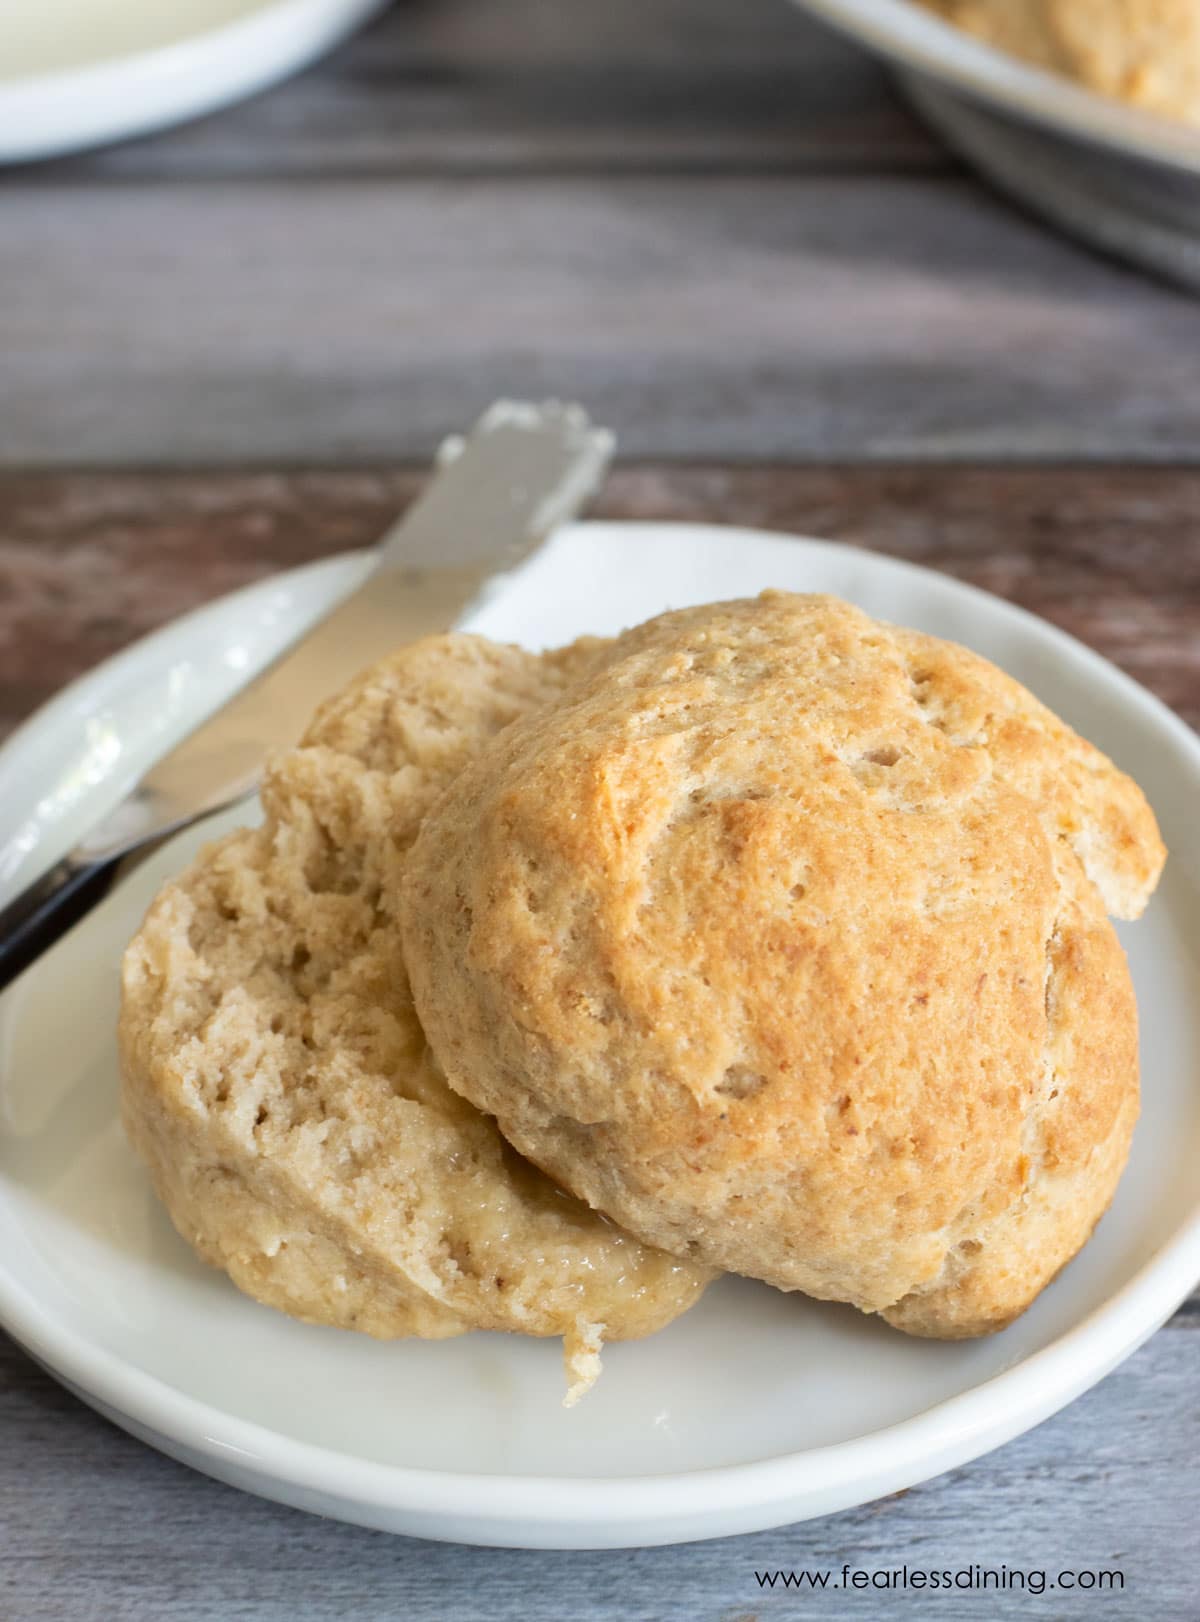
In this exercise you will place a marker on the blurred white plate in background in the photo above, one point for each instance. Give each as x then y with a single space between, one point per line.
754 1409
1116 176
77 73
920 42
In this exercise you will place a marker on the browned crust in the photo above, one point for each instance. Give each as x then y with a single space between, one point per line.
780 939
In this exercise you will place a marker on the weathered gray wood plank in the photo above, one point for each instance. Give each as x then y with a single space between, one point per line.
95 1526
464 85
781 317
90 561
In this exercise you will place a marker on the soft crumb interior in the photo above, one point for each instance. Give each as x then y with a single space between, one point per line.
279 1083
581 1356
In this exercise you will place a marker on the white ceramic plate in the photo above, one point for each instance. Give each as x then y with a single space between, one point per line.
76 73
918 40
756 1409
1120 178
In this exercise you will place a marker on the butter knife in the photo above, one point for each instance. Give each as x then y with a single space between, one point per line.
495 496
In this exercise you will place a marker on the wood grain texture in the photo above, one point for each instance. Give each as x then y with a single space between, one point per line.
771 317
90 561
714 222
464 86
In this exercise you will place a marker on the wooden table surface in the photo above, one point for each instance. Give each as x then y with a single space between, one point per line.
227 349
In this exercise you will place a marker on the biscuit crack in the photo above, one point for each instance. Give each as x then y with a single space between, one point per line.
740 1081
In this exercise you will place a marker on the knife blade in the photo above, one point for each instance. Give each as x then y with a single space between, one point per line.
496 495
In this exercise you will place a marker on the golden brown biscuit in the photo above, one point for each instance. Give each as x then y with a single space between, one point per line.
278 1085
780 938
1146 52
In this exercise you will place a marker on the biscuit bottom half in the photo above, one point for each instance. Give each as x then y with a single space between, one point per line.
277 1083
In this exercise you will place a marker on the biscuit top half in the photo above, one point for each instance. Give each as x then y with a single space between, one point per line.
753 939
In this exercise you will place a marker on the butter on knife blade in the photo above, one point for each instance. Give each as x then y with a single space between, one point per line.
494 497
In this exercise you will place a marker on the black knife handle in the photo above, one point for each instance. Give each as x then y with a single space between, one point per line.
46 909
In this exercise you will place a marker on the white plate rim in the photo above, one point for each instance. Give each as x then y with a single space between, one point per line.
902 31
47 115
544 1511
